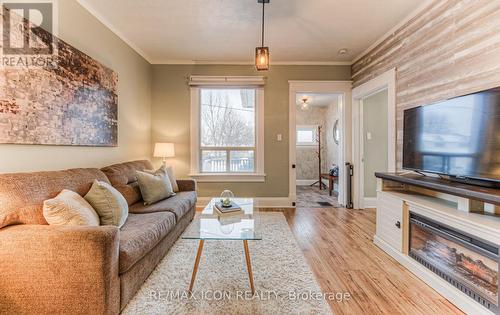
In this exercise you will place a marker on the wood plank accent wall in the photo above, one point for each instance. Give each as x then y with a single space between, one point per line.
450 48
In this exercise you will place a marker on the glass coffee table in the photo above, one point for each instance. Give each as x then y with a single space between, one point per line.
209 226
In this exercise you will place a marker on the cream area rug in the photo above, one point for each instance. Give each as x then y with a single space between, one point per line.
284 283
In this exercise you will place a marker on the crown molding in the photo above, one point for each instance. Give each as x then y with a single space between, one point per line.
113 29
394 29
244 63
142 53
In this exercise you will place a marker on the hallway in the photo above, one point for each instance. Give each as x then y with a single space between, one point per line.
312 197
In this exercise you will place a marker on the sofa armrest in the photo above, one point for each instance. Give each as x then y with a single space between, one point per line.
59 270
187 184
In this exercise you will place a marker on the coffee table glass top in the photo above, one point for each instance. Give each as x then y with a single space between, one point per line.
209 225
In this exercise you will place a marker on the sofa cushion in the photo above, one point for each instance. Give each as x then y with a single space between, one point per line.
140 234
123 177
109 204
178 204
69 208
155 186
22 194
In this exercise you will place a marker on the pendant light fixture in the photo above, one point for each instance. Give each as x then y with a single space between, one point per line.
262 53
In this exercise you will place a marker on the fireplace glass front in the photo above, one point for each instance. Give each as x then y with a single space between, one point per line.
469 264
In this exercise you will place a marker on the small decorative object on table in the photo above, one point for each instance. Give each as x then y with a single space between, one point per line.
225 198
226 205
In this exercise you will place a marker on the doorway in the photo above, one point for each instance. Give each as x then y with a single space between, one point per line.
317 149
319 126
374 135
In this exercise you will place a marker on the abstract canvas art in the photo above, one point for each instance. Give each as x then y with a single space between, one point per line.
72 101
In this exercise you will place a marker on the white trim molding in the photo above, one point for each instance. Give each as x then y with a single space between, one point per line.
85 4
197 80
229 177
202 81
343 89
248 62
386 81
259 202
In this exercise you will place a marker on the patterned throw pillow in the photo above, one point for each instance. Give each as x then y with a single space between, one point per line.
154 186
108 202
69 208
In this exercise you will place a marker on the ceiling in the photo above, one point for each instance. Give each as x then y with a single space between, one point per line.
297 31
317 99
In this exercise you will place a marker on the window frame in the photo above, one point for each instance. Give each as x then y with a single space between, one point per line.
258 174
314 129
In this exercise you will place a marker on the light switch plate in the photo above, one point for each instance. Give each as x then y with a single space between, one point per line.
279 137
368 136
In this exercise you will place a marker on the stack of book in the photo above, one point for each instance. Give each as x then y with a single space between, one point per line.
228 214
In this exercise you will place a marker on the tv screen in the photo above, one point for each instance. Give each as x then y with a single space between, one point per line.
459 137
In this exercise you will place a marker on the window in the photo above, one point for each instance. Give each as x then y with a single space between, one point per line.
227 133
307 135
227 130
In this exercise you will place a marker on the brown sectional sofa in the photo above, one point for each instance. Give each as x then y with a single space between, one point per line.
75 269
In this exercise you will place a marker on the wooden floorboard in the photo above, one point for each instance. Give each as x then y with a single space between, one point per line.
338 245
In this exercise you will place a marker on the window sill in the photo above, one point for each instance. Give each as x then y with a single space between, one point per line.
229 177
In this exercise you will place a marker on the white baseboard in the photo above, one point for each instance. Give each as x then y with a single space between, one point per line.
305 182
369 202
261 202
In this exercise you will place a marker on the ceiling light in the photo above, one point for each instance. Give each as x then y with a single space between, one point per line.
262 53
305 105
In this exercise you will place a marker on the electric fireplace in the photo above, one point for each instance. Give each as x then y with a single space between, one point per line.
466 262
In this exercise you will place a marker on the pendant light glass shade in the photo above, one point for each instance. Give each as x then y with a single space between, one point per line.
262 52
262 58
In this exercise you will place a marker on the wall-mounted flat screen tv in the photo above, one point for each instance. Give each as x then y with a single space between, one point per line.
459 137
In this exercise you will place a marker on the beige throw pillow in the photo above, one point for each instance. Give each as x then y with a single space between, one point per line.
69 208
170 173
154 186
108 202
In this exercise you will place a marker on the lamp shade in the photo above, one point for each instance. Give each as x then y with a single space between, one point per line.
164 150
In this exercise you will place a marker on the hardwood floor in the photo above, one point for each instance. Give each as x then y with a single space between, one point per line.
338 246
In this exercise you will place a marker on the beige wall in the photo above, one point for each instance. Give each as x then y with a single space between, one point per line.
374 149
451 48
171 108
81 30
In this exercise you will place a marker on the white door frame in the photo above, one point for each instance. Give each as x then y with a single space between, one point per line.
385 81
343 88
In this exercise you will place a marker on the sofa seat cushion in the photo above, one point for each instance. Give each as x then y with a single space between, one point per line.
180 204
140 234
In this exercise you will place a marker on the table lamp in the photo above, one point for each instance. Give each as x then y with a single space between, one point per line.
164 150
